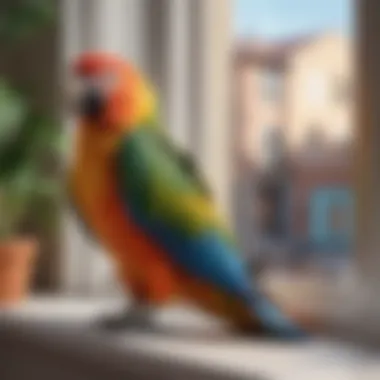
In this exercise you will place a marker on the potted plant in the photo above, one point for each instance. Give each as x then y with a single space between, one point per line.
25 139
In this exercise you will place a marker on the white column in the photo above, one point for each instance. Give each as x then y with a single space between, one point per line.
178 71
155 26
211 30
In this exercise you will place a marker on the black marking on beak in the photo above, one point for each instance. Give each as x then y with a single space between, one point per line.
92 104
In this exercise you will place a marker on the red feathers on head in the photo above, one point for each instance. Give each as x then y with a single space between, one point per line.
96 63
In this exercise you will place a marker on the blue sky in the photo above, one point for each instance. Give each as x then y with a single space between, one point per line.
286 18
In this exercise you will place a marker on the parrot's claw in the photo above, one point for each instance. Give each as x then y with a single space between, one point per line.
136 318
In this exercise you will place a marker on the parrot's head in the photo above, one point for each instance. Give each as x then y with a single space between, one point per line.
111 94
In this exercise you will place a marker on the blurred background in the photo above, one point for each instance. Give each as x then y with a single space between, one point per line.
262 93
277 100
294 107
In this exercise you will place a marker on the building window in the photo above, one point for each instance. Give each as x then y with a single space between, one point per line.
273 85
338 218
272 208
315 138
331 218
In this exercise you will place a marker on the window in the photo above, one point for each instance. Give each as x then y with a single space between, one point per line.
273 146
272 208
331 219
273 85
339 218
315 138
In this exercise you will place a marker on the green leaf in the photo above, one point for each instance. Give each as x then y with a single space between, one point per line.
24 180
13 110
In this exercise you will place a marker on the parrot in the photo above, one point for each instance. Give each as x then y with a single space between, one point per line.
146 202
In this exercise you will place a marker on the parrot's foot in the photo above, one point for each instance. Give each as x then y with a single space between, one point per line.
136 318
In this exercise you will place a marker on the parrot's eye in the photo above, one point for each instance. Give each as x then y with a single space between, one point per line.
94 94
89 93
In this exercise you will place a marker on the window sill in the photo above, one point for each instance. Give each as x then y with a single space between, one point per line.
56 338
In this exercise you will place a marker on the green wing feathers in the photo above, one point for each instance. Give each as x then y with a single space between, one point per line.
165 181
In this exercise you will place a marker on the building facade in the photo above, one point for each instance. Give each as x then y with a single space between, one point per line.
295 127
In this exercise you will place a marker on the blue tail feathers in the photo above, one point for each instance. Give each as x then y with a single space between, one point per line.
273 321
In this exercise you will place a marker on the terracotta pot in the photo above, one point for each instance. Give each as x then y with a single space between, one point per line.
17 258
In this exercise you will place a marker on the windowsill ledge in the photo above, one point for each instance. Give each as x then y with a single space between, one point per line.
56 338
